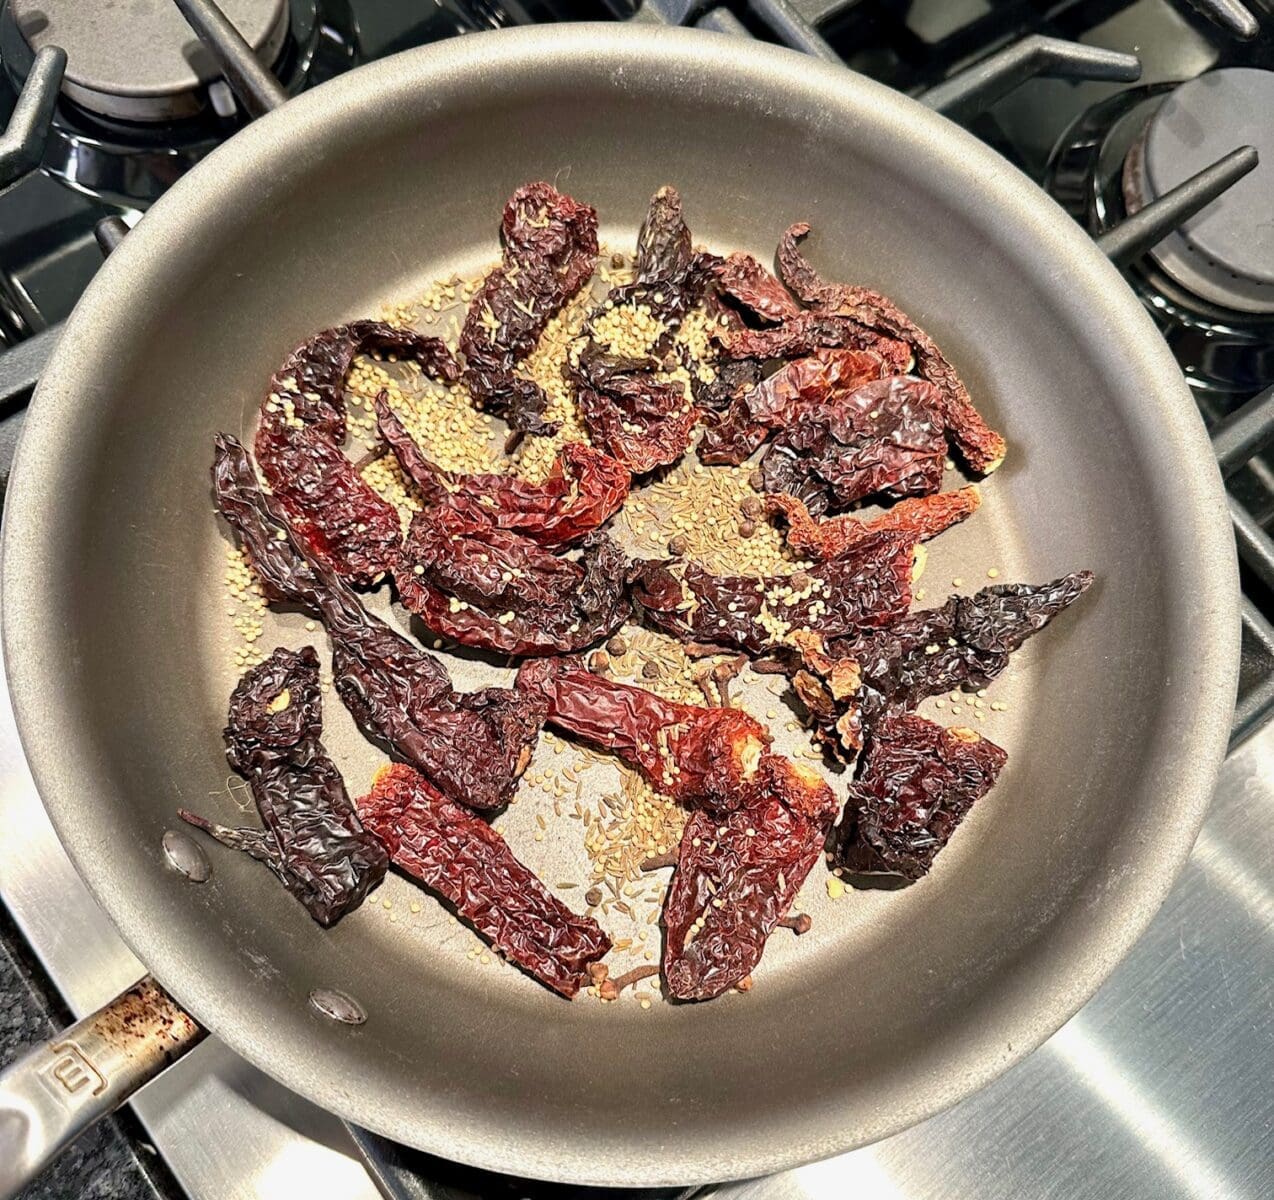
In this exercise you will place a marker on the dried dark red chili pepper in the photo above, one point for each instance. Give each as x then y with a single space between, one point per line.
473 745
983 449
584 489
801 384
706 756
550 249
865 588
459 857
733 379
749 284
312 838
495 590
736 878
922 518
973 635
811 331
917 782
883 438
298 444
637 417
640 420
848 684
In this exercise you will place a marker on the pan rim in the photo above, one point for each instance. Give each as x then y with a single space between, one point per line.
1106 935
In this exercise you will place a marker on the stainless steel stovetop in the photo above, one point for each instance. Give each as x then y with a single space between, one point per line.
1163 1086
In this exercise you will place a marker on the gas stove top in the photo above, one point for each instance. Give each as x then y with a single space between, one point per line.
1160 1086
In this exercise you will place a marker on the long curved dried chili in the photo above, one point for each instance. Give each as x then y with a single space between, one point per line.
550 249
983 449
582 491
922 518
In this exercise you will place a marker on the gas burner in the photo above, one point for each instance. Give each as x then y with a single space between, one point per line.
142 100
141 62
1210 285
1225 254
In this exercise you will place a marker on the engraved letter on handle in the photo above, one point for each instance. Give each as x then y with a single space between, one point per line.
63 1086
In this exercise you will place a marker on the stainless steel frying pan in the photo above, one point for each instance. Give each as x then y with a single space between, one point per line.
898 1003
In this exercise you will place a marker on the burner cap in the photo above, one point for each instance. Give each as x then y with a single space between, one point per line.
138 60
1225 254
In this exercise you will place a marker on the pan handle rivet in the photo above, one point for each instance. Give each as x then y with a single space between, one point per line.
185 857
337 1006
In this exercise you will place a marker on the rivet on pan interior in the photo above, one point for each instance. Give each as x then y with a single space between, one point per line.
337 1006
185 857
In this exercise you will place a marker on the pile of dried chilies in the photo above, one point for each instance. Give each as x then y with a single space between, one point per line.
840 397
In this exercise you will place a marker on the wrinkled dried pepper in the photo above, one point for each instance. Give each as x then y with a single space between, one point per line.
848 684
983 449
298 444
550 249
311 838
582 491
750 285
495 590
809 332
917 782
881 438
757 826
459 857
865 588
640 419
805 383
922 518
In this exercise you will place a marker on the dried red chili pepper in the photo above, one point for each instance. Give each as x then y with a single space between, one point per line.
983 449
758 824
736 878
459 857
584 489
848 684
922 518
798 385
312 838
811 331
495 590
705 756
473 745
750 285
298 444
883 438
550 249
866 588
917 782
638 418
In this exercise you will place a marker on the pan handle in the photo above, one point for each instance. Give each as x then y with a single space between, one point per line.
54 1093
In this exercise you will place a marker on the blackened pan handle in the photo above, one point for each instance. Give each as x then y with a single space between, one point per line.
51 1096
